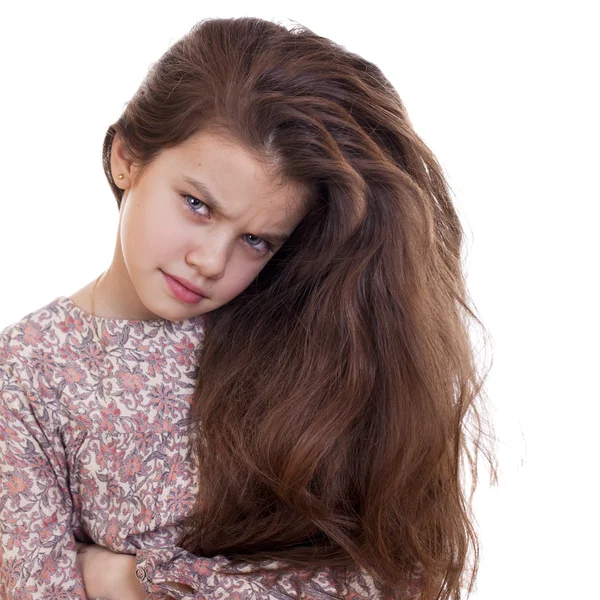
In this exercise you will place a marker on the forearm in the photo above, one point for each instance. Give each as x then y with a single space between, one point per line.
108 575
132 581
215 578
134 577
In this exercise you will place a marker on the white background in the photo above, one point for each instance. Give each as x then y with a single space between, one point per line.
506 96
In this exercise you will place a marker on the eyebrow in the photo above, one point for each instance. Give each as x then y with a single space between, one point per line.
201 189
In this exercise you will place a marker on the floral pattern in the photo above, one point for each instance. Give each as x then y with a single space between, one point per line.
94 447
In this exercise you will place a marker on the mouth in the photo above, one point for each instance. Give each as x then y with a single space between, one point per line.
183 289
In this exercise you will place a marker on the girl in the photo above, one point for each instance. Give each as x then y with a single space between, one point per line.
268 392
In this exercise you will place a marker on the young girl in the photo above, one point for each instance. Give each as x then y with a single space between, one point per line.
268 392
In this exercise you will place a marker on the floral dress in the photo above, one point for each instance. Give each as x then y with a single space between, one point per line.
95 447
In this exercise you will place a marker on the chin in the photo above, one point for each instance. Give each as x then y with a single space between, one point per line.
158 312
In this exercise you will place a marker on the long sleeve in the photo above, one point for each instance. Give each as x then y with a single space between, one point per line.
38 555
158 568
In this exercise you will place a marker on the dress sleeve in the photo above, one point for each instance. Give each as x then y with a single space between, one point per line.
166 572
38 554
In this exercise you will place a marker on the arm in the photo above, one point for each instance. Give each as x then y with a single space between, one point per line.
108 575
38 556
168 570
173 573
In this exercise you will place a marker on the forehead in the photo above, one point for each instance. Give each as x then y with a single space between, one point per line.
235 178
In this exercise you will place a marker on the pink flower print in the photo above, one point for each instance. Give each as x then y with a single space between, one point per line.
108 339
163 399
32 333
73 376
16 483
109 414
114 489
175 471
43 363
184 351
201 568
35 463
145 516
71 324
44 391
133 467
46 531
12 570
19 534
49 567
10 434
132 382
75 404
92 357
104 455
114 533
140 421
237 595
89 488
179 500
69 354
6 351
156 363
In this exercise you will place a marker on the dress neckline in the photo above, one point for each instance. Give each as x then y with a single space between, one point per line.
71 307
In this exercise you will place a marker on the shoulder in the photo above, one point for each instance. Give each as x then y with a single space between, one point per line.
30 334
30 349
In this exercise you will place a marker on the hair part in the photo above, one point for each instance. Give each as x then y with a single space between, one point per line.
338 400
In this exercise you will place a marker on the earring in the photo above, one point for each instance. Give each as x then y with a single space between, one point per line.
120 176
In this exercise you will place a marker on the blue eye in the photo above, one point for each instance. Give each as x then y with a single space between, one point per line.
187 197
187 201
267 246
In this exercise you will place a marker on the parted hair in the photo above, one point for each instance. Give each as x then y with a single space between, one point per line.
339 400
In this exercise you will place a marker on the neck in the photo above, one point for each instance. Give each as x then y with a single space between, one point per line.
115 296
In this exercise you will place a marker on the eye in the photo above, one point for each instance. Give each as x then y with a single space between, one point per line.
256 243
267 246
187 200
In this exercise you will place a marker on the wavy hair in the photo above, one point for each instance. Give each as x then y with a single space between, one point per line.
338 397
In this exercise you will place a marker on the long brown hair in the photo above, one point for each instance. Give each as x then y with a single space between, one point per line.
338 397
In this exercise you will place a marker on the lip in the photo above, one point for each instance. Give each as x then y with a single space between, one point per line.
183 289
188 284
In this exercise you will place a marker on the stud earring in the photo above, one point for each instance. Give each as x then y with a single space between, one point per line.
120 176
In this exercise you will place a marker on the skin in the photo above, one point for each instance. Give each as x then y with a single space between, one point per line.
111 576
221 252
107 574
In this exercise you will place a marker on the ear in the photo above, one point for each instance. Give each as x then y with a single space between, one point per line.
120 164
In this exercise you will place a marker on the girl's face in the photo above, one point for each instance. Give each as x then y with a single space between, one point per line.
205 211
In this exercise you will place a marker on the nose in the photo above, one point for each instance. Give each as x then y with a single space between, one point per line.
209 258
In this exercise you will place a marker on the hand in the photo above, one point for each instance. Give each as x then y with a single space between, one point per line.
107 574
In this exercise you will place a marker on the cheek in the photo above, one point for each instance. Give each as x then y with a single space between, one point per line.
240 274
151 233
